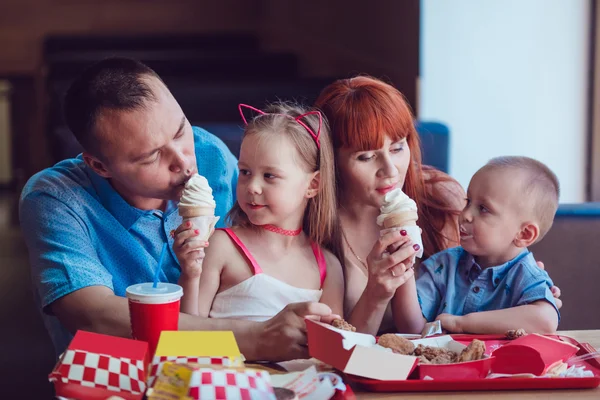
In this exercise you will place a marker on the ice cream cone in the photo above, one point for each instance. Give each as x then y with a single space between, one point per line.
198 206
192 212
400 211
405 218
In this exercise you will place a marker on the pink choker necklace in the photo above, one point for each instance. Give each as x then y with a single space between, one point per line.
281 231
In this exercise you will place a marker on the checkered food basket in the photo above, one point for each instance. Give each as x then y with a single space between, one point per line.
83 374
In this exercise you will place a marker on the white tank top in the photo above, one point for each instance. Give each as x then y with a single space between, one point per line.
261 297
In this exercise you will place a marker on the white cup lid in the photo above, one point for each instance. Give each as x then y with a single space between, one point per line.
145 293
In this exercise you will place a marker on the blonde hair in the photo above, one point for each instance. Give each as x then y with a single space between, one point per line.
320 222
539 189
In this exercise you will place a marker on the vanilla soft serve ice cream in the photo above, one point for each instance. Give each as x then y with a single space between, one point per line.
400 211
197 198
198 205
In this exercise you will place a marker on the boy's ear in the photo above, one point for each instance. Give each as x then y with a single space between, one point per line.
96 165
314 186
529 233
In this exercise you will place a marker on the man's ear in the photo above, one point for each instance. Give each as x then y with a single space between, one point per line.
314 186
96 165
527 235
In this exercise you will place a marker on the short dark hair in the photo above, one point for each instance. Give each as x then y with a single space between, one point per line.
540 188
114 84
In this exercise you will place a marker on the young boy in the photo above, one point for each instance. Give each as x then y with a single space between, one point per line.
491 283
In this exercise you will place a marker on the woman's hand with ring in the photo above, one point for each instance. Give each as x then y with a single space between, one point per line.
389 271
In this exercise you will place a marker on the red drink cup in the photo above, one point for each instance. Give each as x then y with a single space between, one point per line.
153 310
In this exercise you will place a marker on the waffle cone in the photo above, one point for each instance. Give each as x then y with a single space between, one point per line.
192 212
405 218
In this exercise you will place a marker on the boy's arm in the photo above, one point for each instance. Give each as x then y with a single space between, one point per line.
539 317
333 286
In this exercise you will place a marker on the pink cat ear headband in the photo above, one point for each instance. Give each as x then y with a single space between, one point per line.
298 119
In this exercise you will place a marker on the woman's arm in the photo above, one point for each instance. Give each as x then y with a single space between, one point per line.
408 317
386 274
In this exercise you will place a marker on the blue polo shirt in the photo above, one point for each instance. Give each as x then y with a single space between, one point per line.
80 232
452 282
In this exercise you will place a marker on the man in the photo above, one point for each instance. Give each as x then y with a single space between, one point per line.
96 224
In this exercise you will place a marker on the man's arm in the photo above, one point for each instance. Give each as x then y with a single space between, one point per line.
97 309
283 337
537 317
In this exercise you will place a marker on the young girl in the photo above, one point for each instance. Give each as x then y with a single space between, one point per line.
280 246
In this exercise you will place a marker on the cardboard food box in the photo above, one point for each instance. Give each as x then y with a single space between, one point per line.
477 369
531 354
205 348
356 353
207 382
96 366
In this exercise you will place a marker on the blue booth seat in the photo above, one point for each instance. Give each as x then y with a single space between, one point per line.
579 210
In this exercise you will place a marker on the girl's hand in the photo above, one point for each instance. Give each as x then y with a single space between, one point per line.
189 250
554 289
387 271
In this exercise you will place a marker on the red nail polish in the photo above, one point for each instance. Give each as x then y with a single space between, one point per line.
403 232
189 224
416 247
197 232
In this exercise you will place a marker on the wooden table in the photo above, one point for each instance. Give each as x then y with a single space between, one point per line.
591 337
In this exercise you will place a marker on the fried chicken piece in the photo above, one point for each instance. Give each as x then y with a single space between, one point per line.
474 351
343 325
515 334
397 343
432 352
445 358
423 360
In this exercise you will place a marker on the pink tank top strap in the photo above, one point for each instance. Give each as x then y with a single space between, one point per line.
320 261
243 249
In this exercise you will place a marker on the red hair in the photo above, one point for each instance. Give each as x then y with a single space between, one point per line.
361 111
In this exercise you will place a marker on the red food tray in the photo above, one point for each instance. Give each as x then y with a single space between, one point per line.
491 342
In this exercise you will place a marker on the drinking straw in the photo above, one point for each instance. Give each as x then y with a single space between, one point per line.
159 266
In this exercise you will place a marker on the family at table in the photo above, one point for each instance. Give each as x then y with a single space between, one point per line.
301 230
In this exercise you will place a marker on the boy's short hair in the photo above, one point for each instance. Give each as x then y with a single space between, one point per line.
539 187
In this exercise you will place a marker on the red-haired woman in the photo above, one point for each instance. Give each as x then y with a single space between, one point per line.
376 150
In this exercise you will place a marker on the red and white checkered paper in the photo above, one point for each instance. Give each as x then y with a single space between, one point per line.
209 384
101 371
158 362
229 384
